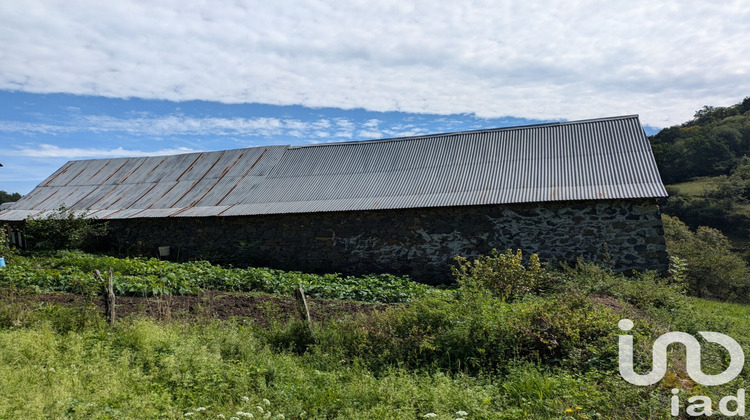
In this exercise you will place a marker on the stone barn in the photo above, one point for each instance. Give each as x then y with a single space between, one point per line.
404 206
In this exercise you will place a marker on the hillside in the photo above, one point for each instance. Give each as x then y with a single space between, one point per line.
705 164
715 142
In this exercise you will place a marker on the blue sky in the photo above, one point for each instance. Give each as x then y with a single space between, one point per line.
92 79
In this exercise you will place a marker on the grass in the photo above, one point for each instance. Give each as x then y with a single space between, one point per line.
694 188
141 369
551 354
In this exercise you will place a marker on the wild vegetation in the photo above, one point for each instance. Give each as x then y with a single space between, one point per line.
478 352
706 165
711 269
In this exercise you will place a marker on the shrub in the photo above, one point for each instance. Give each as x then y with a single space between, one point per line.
476 333
63 229
5 249
713 271
504 275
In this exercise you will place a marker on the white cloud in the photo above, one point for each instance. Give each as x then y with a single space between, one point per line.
45 151
543 60
157 126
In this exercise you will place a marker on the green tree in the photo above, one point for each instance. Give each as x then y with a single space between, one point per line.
6 197
63 229
713 271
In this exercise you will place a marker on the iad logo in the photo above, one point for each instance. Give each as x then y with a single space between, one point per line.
692 365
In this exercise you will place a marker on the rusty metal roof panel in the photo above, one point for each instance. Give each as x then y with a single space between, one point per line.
607 158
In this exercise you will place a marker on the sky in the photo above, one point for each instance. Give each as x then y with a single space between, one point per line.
94 79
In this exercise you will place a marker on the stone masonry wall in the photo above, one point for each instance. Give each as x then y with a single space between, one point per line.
417 242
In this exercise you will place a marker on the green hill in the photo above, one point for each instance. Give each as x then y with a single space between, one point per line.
705 164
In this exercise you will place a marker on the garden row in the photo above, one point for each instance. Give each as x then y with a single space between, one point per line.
72 271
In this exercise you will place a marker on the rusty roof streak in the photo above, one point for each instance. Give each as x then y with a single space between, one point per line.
83 169
57 174
47 198
163 159
131 172
243 177
145 193
199 179
224 172
116 171
190 167
114 202
99 171
86 196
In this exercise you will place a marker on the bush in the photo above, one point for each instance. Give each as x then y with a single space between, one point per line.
713 271
504 275
476 334
5 249
63 229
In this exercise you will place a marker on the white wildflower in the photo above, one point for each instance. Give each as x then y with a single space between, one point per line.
189 413
461 413
244 414
259 408
460 418
200 409
234 418
245 398
266 402
430 415
280 416
221 416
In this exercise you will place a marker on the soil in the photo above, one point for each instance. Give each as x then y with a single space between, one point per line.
253 307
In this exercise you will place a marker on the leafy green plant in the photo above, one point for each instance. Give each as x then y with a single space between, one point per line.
71 271
62 229
504 275
712 270
5 250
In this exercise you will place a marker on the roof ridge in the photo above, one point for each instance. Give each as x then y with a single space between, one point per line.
478 131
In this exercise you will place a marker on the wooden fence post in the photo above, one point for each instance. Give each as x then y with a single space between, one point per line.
304 311
108 292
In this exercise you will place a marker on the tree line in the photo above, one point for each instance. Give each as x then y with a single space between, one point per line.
715 142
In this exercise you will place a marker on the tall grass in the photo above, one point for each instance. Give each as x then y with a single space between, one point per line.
547 354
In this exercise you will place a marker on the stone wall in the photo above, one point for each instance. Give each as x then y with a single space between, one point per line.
627 234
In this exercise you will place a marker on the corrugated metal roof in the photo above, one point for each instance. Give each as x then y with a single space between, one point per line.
608 158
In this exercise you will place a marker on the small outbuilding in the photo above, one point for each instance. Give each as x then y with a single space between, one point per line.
403 206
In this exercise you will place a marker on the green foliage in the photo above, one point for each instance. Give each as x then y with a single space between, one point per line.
504 275
5 250
546 356
6 197
476 334
720 202
713 143
141 369
63 229
71 271
713 271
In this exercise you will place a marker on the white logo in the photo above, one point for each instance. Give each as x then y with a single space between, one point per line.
701 405
692 353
